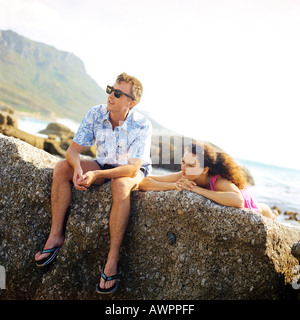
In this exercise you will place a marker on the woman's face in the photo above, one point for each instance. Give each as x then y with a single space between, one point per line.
190 166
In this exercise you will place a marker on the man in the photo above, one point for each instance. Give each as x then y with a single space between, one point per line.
123 138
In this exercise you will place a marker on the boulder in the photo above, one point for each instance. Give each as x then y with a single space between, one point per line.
178 245
296 250
60 130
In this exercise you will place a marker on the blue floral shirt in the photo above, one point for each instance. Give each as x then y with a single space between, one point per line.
131 139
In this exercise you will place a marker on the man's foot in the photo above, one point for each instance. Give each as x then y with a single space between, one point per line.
110 270
52 242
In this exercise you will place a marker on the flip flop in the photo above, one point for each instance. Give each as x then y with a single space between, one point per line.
109 290
53 253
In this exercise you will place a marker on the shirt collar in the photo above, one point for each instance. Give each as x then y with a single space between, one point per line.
126 126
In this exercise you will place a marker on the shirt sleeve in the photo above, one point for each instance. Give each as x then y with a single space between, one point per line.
140 147
85 134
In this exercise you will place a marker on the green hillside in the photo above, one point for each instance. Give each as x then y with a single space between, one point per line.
35 77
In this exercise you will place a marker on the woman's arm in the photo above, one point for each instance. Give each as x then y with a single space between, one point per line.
160 183
227 193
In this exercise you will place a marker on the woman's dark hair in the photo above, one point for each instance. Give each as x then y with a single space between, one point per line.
219 163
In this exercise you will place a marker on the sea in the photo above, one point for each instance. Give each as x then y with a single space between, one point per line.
274 186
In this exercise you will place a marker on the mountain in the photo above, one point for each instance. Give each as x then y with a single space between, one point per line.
36 77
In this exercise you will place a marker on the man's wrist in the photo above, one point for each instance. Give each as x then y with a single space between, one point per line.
98 173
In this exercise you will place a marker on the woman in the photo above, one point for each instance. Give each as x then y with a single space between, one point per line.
214 175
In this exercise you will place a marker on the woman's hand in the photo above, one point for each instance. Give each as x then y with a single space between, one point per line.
185 184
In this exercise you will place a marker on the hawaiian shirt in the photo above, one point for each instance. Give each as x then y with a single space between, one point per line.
131 139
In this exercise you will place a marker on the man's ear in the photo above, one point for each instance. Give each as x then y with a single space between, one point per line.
131 103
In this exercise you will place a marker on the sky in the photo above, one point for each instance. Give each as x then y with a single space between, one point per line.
227 72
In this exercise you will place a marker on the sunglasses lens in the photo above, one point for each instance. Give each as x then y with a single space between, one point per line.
109 90
117 93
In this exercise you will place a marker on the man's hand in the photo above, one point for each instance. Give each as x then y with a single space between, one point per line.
87 179
78 179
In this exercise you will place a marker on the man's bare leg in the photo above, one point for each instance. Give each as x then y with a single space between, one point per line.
60 201
119 216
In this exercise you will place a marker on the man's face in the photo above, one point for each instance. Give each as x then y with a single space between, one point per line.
123 103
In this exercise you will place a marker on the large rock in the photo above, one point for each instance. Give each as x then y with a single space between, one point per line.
296 250
60 130
177 246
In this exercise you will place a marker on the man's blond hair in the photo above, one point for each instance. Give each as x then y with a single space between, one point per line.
136 86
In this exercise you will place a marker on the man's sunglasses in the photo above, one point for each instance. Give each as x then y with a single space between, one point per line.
117 92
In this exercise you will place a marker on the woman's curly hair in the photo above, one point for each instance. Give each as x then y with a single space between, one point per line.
219 163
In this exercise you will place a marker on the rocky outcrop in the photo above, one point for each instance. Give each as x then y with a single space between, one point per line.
58 140
178 245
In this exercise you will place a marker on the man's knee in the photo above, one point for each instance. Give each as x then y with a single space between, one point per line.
122 183
121 187
62 170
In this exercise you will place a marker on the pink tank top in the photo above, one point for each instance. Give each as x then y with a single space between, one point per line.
249 202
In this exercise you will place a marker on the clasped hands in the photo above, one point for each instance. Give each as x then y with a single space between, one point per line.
83 181
185 184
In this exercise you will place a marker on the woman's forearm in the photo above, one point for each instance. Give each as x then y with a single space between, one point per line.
149 184
231 199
